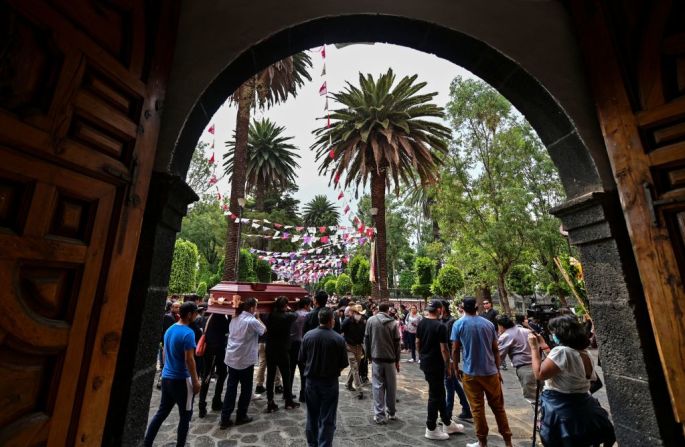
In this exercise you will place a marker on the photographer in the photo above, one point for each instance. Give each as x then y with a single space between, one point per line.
570 416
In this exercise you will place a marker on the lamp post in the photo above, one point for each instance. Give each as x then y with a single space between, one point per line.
241 204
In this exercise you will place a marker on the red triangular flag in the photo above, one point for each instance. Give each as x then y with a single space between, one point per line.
299 228
211 159
323 52
211 129
324 239
347 209
323 90
278 225
322 229
340 196
331 153
337 178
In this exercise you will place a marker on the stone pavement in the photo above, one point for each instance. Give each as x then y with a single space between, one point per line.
355 426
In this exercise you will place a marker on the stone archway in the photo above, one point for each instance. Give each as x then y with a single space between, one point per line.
592 214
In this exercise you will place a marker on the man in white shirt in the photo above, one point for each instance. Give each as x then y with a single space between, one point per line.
242 353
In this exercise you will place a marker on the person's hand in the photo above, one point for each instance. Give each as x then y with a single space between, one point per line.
499 374
397 366
459 372
196 386
533 341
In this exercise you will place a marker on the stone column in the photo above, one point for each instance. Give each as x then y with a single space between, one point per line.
633 376
167 203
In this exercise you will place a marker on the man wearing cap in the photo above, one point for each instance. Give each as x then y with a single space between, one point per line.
382 346
478 337
179 376
431 342
353 328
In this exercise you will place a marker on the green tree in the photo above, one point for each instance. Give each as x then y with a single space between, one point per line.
201 289
205 226
380 135
424 270
343 285
448 282
320 212
522 280
183 267
271 161
271 85
330 286
262 270
361 285
407 279
200 172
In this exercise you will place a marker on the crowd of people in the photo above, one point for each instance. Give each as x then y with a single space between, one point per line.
461 354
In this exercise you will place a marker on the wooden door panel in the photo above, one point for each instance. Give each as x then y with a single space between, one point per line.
80 88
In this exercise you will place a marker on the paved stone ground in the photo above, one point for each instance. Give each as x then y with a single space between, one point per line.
355 426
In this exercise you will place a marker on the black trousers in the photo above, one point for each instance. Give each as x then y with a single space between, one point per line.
213 360
294 356
436 399
277 357
364 367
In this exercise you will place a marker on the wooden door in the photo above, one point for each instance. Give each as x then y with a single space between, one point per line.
635 56
81 88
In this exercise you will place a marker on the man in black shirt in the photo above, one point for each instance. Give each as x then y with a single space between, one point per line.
278 353
216 332
490 314
431 342
320 299
324 356
353 328
452 384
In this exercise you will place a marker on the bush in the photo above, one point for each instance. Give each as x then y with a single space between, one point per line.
343 285
262 270
424 269
329 286
184 268
361 284
406 281
448 282
201 289
353 266
246 264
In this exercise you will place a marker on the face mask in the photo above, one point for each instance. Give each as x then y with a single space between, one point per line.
555 339
357 317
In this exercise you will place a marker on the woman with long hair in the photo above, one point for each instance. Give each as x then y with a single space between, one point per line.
570 416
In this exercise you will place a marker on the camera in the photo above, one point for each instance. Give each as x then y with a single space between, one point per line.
542 312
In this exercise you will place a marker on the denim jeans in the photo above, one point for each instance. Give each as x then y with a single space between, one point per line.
411 344
436 399
174 392
451 385
322 407
235 376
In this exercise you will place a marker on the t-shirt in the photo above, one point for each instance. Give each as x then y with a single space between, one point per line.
177 340
476 335
412 323
572 378
431 333
278 331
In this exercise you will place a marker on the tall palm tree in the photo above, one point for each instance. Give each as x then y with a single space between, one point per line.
381 135
272 85
319 212
270 160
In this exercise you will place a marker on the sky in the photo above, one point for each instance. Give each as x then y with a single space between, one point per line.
304 113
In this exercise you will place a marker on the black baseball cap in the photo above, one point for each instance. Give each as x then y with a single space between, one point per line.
469 304
434 305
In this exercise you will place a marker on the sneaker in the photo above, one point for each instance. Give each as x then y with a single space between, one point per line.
360 396
392 417
410 360
473 444
350 387
465 415
503 367
257 396
271 407
436 434
245 420
225 423
259 389
159 385
453 428
279 389
379 420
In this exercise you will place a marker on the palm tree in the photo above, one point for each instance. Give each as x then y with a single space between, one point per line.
270 86
270 160
320 212
381 135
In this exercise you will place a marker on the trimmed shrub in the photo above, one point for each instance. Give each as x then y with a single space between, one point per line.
448 282
184 268
201 289
262 270
343 285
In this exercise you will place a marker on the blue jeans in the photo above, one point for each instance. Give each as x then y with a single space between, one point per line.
322 406
411 344
451 385
235 376
174 392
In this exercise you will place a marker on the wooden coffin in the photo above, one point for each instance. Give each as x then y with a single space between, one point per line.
222 301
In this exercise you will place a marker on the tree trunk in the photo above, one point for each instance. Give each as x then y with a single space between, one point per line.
482 293
380 291
503 294
260 196
245 97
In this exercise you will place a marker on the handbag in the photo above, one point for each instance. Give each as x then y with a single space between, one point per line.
202 343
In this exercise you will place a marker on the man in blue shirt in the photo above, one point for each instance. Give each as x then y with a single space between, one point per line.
478 337
179 376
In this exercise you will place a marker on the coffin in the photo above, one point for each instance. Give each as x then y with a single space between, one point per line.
221 299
